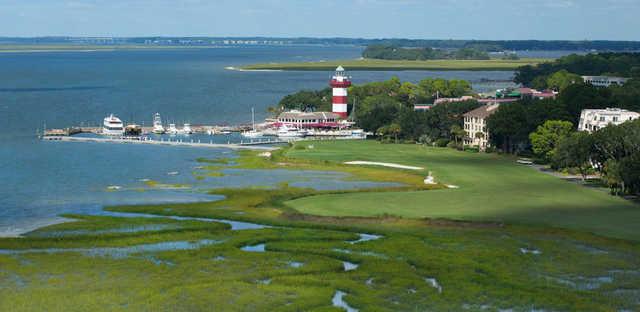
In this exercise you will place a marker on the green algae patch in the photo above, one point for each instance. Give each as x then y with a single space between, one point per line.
221 161
170 186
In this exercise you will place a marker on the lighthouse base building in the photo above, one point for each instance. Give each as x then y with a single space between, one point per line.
337 118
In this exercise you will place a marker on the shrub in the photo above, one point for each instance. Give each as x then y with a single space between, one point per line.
442 142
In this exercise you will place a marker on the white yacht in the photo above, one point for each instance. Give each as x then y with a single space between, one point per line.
186 129
157 124
112 125
172 129
286 132
253 133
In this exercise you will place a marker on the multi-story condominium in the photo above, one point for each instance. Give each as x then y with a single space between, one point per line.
595 119
604 81
475 124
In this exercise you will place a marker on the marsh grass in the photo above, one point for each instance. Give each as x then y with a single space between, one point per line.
478 265
374 64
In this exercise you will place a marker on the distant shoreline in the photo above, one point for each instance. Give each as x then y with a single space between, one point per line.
394 65
91 48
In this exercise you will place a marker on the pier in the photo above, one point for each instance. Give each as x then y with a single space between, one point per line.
251 145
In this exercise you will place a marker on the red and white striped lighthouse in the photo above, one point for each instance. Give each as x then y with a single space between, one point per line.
340 82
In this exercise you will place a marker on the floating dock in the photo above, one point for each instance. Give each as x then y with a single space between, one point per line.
251 145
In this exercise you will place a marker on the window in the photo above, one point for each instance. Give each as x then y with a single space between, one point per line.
602 118
615 118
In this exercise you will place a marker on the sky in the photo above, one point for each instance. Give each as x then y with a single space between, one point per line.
420 19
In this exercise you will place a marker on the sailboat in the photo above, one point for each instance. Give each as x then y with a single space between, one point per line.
253 133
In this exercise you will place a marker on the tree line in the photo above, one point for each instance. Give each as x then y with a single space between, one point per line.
613 152
391 52
612 64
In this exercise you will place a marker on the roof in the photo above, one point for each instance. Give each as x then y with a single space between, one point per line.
491 100
614 111
340 68
527 91
309 115
483 111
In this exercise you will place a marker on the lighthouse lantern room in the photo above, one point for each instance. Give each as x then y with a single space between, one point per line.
340 82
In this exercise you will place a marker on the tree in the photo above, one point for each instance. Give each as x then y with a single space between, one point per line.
458 133
413 123
445 88
545 139
630 173
507 126
377 111
394 129
627 96
577 97
410 94
439 119
574 151
615 151
307 100
561 79
479 136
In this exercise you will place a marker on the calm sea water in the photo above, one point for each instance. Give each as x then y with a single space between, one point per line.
40 180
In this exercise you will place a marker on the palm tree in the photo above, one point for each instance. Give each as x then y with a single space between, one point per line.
457 132
395 129
479 136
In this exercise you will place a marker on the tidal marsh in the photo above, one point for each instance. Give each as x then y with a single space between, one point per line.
374 263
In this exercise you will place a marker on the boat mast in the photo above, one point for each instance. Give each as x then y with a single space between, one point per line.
253 120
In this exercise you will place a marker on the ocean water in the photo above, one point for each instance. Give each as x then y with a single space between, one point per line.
40 180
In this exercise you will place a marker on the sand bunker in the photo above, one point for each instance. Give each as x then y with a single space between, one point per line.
383 164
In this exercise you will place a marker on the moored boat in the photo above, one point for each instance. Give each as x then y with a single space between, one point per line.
186 129
286 132
253 133
157 124
112 125
172 129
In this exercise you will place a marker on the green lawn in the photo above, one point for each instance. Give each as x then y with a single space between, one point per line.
373 64
492 188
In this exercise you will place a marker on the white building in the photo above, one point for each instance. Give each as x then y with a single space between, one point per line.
475 124
298 119
595 119
604 81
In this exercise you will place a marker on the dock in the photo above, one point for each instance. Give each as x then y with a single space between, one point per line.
251 145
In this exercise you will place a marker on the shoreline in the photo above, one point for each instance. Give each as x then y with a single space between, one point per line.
240 69
398 65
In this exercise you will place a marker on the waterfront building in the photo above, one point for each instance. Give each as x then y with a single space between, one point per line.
604 81
298 119
595 119
475 124
340 82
